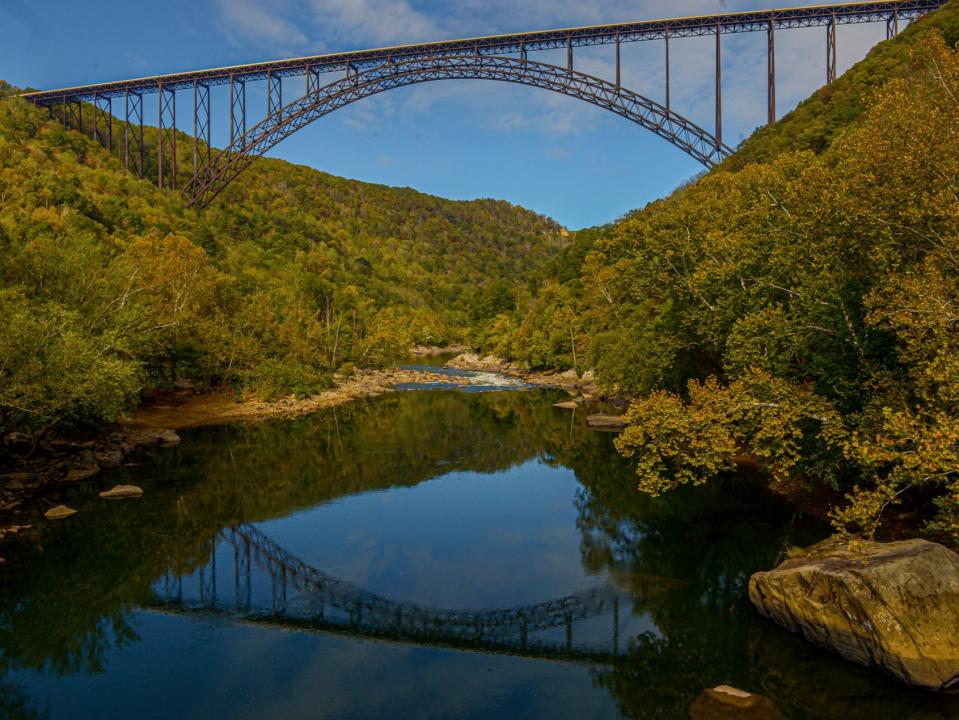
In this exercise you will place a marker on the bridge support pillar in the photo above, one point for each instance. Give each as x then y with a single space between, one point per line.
274 93
166 137
831 51
201 128
719 86
619 65
569 53
237 114
892 25
667 71
313 79
72 111
771 72
133 131
103 110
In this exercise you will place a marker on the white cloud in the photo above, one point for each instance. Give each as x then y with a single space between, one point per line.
378 22
262 22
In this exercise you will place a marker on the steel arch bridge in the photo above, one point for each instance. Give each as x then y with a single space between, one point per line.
369 72
215 175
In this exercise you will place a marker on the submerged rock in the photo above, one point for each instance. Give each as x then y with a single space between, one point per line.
59 512
82 473
729 703
110 458
168 437
893 606
120 492
603 420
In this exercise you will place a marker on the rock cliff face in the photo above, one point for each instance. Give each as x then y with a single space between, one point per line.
893 606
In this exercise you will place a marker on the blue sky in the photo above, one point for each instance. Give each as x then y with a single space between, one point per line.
558 156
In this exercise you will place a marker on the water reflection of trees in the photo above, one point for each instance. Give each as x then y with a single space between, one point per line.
686 558
15 702
64 605
708 541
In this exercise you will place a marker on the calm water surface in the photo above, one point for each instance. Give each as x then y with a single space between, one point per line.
438 554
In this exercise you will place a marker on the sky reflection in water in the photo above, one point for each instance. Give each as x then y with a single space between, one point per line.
441 554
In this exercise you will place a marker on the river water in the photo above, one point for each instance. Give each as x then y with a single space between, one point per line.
427 554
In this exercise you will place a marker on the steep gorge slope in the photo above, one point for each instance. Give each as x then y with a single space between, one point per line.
798 302
109 286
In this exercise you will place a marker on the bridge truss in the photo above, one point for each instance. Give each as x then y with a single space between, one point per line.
367 72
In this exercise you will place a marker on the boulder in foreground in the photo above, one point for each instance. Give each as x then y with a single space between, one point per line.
729 703
893 606
121 492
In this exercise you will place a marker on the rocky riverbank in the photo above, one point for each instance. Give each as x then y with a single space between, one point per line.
49 465
583 386
434 350
218 407
53 464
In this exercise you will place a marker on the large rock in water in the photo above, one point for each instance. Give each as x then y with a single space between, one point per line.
121 492
606 421
59 512
893 606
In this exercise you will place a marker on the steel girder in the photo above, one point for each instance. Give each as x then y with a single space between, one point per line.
202 127
647 113
890 11
103 122
133 150
166 139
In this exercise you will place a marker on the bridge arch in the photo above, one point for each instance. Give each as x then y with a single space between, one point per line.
211 180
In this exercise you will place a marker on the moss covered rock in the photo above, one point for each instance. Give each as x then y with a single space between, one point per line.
893 606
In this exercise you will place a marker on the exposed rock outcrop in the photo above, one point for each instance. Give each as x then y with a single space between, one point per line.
567 380
893 606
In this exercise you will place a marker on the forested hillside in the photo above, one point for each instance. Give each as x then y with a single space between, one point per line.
798 304
109 286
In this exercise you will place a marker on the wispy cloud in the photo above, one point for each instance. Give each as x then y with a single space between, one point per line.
263 23
374 21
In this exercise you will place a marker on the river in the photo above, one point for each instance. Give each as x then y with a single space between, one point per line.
426 554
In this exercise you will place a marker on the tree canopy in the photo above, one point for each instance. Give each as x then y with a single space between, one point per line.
797 304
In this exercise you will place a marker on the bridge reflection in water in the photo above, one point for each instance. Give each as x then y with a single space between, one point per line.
250 579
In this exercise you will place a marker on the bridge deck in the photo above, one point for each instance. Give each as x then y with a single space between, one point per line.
754 21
